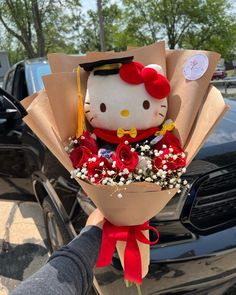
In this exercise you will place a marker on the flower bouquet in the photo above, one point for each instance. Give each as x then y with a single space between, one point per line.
126 125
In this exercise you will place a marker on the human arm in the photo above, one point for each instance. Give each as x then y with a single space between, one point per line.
69 271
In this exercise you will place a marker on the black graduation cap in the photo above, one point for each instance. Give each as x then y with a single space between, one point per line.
106 66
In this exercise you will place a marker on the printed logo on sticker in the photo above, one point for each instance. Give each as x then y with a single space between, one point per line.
195 66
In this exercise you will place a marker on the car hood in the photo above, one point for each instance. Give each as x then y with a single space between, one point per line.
220 148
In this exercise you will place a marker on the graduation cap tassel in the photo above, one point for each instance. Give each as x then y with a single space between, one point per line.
81 120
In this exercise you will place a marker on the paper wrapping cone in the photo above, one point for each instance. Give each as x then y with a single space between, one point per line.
139 202
211 112
186 97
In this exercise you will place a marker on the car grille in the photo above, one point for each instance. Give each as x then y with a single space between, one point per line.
214 203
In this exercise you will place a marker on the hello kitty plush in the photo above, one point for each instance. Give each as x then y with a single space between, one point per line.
128 102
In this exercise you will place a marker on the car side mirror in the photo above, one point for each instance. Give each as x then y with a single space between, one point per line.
10 107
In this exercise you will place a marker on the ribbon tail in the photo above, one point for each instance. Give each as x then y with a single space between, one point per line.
107 247
132 259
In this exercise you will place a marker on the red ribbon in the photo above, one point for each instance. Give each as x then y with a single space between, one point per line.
132 258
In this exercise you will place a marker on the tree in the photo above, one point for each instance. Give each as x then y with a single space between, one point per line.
199 24
215 31
38 25
89 39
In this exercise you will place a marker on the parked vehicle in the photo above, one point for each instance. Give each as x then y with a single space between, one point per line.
197 250
219 74
230 81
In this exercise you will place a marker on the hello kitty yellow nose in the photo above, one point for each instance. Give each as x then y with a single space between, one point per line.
124 113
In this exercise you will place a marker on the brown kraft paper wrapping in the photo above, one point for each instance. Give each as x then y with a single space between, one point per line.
53 117
186 96
150 54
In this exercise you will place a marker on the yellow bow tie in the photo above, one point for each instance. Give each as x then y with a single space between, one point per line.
132 132
167 126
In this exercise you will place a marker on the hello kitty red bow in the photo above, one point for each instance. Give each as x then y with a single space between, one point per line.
135 73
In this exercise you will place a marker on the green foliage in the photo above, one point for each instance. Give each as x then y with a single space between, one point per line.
39 26
60 25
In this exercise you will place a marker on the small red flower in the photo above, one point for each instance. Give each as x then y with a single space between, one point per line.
125 158
170 162
177 163
98 169
79 156
169 139
88 141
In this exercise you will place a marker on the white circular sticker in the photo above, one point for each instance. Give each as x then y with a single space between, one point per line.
195 66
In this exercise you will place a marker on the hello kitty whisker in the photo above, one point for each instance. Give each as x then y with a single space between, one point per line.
163 106
87 112
87 102
161 115
91 119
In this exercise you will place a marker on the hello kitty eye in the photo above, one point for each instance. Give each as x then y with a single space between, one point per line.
103 107
146 104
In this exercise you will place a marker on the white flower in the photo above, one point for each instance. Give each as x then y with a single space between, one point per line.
164 167
175 157
66 148
104 181
92 179
119 195
132 150
94 159
164 146
185 182
82 137
126 142
101 164
171 150
75 141
84 170
126 171
148 179
96 175
120 183
184 170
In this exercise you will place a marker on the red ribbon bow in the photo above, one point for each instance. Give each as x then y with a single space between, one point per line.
156 84
132 258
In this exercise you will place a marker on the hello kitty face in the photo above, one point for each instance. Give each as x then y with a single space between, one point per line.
111 103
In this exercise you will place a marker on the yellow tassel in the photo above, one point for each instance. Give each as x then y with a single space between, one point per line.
81 120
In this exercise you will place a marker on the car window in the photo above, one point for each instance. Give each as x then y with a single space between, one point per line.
9 82
20 90
34 74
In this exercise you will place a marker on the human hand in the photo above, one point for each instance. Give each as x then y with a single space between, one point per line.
96 218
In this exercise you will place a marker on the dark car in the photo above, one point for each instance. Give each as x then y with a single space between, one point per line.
196 253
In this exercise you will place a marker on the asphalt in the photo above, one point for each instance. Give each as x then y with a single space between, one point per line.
23 243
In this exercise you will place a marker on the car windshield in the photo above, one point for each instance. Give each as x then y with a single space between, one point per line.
34 74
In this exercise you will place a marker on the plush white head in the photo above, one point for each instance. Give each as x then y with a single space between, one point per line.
111 103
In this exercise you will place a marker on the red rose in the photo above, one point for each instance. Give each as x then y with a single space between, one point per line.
79 156
98 169
125 158
88 141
